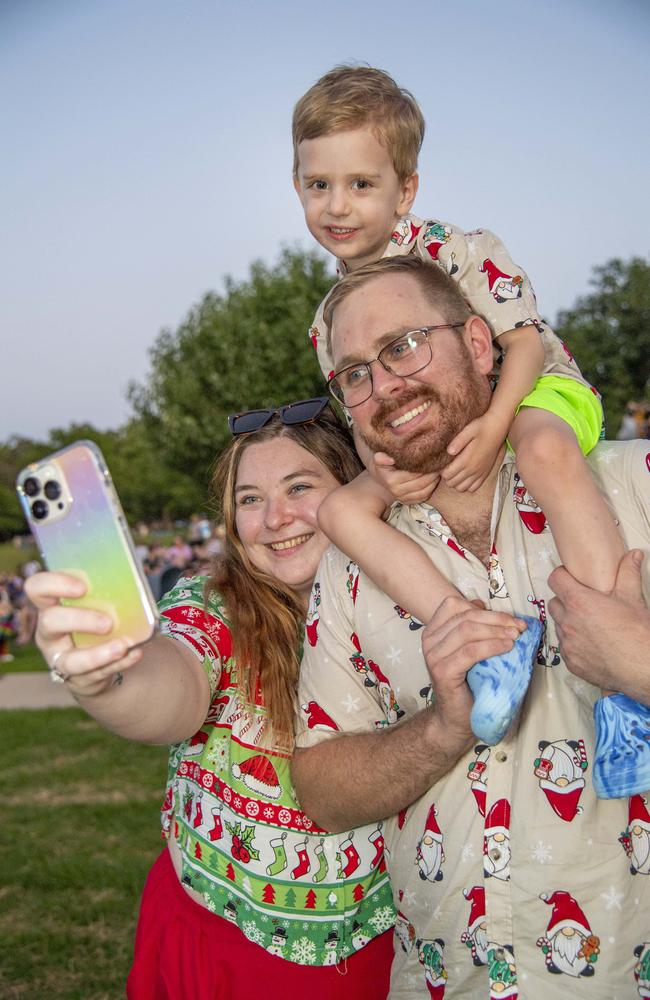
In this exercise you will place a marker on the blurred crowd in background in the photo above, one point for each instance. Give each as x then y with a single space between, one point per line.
191 550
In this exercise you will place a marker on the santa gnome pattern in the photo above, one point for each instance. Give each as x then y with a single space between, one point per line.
502 286
259 775
496 841
568 946
636 839
560 768
430 855
475 937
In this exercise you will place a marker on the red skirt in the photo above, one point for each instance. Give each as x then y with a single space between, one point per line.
185 952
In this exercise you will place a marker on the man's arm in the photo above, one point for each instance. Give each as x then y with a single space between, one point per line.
605 638
348 781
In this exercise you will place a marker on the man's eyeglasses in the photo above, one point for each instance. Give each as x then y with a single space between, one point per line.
404 356
302 412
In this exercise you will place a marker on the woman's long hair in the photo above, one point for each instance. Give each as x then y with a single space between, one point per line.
266 616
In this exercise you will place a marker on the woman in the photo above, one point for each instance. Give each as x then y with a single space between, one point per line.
250 898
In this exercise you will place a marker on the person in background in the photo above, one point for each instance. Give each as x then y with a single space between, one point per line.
7 630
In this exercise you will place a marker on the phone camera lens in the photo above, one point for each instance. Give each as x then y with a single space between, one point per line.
52 490
31 486
39 510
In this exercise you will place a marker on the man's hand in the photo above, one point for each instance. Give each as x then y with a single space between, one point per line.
459 635
476 449
605 638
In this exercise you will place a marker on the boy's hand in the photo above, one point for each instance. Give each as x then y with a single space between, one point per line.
476 449
403 486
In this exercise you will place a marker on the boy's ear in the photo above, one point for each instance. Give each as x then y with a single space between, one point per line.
296 186
408 193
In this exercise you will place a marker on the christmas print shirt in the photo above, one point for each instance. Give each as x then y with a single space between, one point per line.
303 894
511 879
494 286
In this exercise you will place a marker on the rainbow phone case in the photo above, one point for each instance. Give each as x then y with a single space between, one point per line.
79 527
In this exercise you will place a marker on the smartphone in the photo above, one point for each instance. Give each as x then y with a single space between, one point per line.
78 524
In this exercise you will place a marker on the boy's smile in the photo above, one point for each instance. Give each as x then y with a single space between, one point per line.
351 194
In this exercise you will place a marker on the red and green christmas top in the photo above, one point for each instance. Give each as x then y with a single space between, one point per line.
307 895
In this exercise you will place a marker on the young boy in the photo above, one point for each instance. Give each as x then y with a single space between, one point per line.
356 138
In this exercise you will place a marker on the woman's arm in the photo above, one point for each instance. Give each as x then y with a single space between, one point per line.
157 693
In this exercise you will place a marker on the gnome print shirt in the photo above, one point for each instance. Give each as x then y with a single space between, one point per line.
247 848
510 878
494 286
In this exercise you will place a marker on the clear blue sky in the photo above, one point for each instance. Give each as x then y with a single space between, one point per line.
146 154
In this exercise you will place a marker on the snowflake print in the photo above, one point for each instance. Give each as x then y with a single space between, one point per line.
253 932
409 896
303 951
193 613
394 656
383 919
217 755
268 813
437 913
237 802
612 898
350 704
209 903
467 852
542 852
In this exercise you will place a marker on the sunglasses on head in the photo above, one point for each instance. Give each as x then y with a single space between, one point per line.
302 412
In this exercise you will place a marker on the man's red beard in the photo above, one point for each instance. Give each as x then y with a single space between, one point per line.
425 450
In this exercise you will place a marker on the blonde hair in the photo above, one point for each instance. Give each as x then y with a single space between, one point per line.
350 97
439 289
266 616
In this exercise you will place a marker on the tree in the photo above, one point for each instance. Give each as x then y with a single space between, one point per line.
149 489
608 331
244 349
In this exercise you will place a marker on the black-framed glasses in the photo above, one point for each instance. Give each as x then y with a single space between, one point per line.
302 412
406 355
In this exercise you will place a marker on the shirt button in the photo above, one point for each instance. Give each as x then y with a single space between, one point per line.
495 854
501 756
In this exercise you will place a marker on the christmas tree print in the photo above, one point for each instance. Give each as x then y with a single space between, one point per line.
230 871
268 893
310 900
358 892
290 899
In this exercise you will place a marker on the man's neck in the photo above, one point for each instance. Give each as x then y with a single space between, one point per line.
469 515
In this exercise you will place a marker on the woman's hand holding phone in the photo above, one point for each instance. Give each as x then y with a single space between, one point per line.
87 671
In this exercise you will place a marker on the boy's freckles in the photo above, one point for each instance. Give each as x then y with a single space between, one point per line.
351 194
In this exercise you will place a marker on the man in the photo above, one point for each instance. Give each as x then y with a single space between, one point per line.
510 877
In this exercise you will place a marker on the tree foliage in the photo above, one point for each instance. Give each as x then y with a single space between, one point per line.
240 350
149 489
608 331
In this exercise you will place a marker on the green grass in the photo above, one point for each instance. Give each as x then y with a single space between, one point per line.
26 658
11 557
80 828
